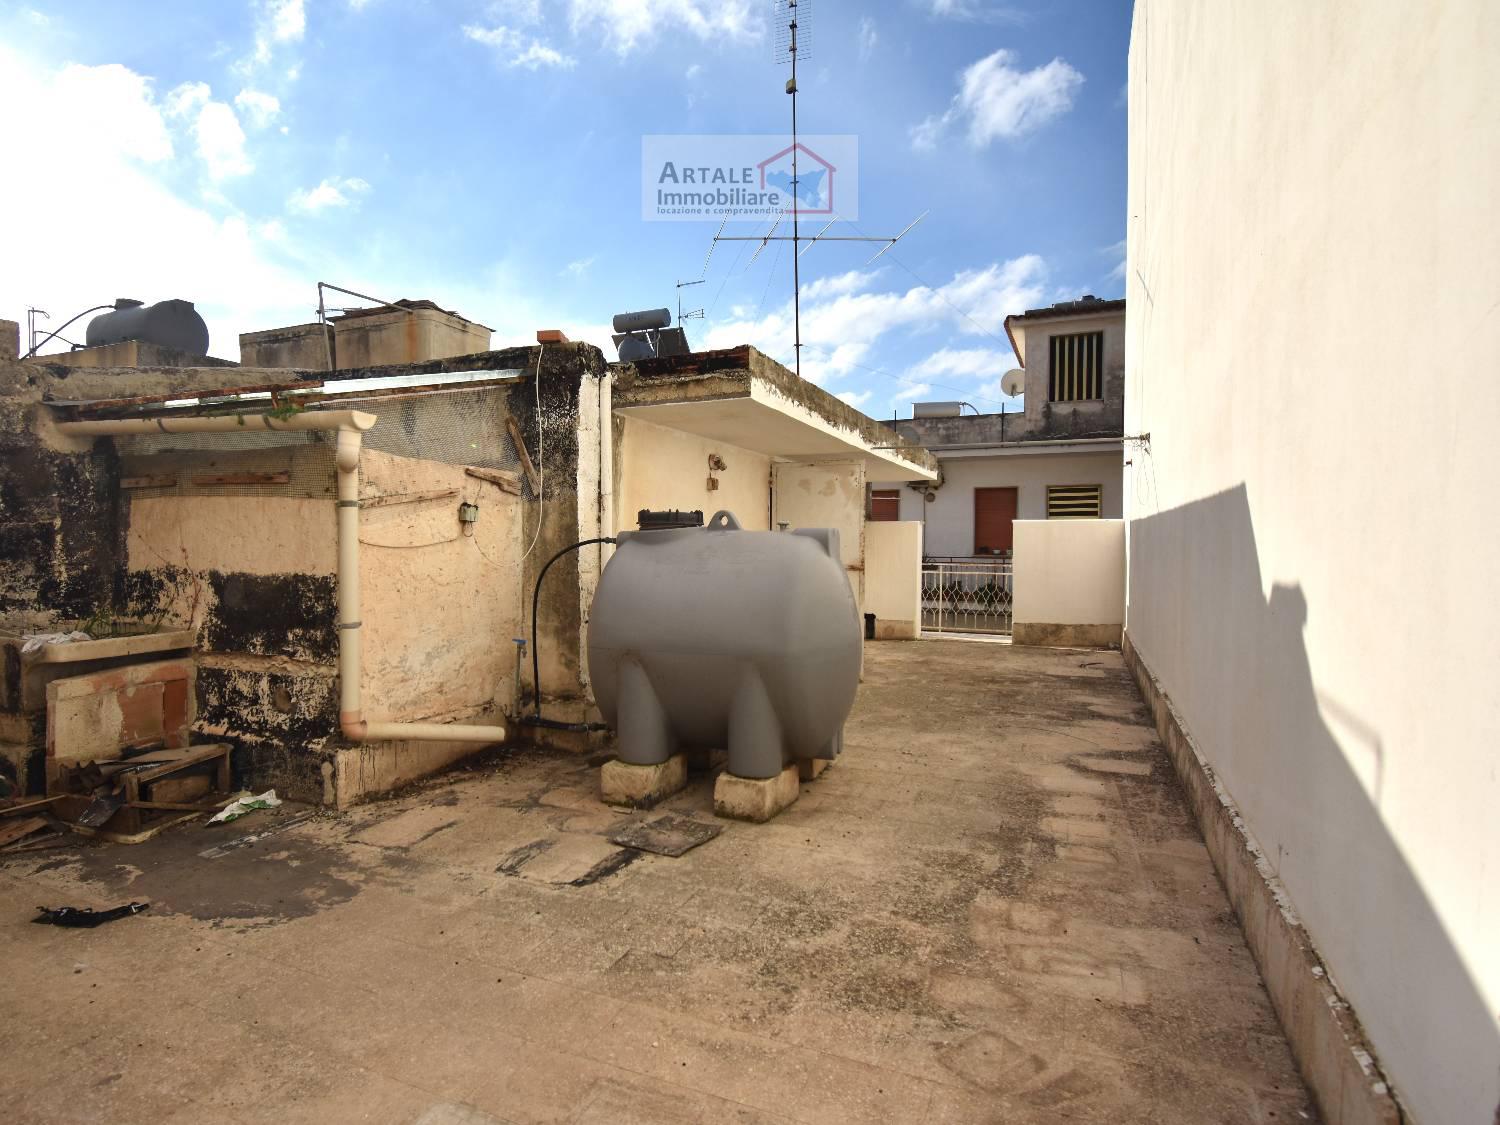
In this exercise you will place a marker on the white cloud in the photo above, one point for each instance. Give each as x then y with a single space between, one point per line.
996 100
333 192
259 108
216 130
1117 251
855 399
625 24
908 391
579 268
517 49
843 321
518 11
975 11
968 362
693 71
839 283
278 22
221 142
170 247
34 17
187 99
112 106
868 37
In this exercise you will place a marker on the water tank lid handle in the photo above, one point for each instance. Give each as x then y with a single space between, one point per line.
127 303
723 521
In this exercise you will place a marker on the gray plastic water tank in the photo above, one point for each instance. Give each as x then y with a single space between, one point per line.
168 324
717 637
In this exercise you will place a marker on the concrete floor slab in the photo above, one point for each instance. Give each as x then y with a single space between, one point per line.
996 909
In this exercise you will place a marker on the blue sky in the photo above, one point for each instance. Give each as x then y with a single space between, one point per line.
487 155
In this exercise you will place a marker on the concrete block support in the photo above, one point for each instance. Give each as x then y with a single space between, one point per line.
621 783
810 769
756 798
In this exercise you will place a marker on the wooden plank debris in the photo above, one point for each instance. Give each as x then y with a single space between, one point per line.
530 469
387 499
211 480
159 480
508 482
12 831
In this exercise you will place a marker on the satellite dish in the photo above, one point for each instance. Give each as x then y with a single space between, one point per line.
1013 382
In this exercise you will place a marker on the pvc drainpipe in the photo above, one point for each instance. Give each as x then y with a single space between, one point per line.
350 426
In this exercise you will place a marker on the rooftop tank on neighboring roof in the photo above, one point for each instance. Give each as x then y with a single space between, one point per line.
168 324
936 409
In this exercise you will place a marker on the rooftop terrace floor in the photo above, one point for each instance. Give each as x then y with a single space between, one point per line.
994 908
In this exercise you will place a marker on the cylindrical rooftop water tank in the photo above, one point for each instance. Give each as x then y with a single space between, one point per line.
168 324
936 409
643 321
722 638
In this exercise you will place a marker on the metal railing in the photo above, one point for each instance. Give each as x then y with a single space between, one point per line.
967 597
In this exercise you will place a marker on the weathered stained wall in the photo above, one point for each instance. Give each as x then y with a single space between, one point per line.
59 530
439 597
130 353
663 468
1311 586
826 494
254 573
366 340
1096 418
251 560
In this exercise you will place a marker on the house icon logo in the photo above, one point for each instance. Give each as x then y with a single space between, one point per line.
815 176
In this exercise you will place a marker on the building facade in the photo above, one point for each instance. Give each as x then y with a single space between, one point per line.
1060 457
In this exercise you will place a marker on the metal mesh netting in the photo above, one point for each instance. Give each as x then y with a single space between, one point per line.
457 427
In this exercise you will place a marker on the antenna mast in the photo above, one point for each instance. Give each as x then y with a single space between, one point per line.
791 88
692 313
792 36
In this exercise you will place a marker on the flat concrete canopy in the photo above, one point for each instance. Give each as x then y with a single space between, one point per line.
993 908
744 398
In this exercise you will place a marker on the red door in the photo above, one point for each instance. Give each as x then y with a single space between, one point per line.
994 515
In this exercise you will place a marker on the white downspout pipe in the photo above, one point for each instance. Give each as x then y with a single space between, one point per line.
349 426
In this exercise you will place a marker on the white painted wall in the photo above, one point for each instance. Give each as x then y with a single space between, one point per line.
949 519
1313 333
893 578
667 468
1069 572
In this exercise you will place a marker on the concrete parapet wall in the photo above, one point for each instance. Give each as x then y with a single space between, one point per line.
1069 582
893 578
1322 1029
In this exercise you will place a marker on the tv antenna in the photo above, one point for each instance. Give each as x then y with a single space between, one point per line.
792 23
34 314
691 314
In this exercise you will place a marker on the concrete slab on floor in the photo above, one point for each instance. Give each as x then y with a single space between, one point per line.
995 908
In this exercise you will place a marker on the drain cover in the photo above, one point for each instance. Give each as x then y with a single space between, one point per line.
668 834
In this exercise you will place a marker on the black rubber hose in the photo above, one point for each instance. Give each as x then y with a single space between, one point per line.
536 597
65 323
